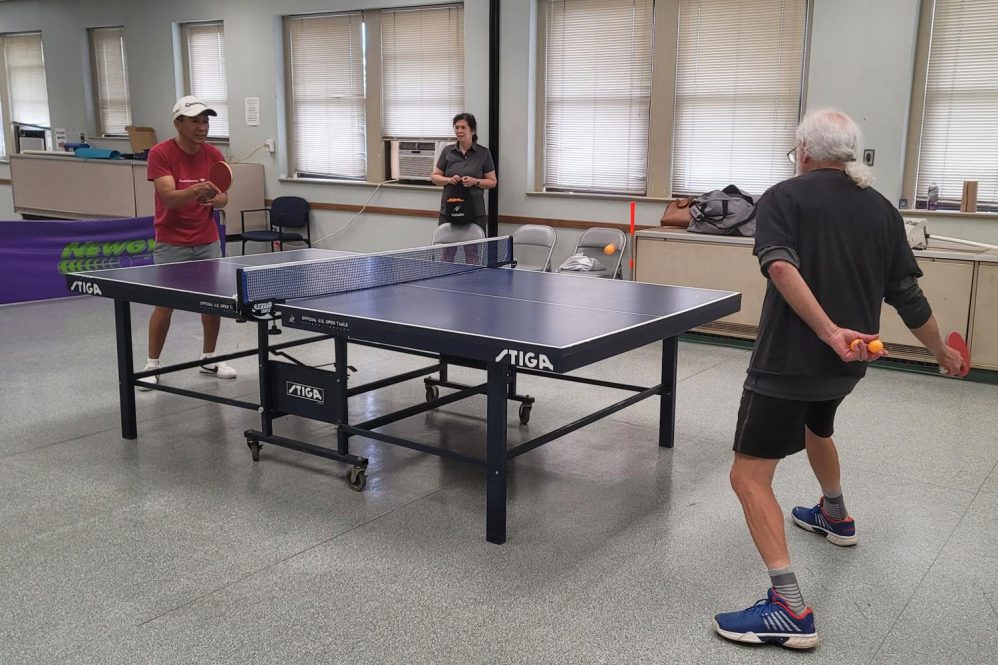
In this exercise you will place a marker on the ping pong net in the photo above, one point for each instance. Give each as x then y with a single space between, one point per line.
259 287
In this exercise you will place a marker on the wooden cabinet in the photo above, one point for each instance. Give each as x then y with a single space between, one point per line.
728 266
948 285
956 282
984 336
72 188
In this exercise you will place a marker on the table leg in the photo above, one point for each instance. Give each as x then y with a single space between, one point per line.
667 408
263 362
342 439
495 462
126 390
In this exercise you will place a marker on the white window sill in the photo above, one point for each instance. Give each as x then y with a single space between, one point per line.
600 197
908 212
362 183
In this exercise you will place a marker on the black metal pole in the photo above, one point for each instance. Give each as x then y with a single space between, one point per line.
264 373
667 409
126 390
493 222
495 454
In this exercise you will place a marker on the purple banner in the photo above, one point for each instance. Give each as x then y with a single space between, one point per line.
36 255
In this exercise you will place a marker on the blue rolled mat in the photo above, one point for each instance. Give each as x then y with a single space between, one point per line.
97 153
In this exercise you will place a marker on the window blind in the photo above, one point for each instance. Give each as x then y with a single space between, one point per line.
959 139
327 95
27 93
114 111
206 72
422 71
738 93
597 91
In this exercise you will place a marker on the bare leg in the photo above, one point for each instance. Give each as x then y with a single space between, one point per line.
210 324
752 480
824 459
159 326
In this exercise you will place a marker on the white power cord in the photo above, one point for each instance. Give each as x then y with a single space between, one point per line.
351 221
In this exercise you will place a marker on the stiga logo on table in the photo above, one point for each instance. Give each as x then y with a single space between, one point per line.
311 393
96 255
85 287
526 359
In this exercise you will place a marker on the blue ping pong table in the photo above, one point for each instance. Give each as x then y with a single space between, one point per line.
457 304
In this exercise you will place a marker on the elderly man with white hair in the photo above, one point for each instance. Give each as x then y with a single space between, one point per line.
832 249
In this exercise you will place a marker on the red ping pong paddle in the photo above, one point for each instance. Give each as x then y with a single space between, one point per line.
956 342
220 175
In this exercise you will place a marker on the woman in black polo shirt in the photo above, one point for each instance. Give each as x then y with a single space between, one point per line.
465 170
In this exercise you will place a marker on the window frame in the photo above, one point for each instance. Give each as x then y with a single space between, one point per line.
916 117
95 81
6 118
376 144
187 73
662 108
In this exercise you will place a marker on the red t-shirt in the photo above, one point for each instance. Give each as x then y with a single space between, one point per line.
191 224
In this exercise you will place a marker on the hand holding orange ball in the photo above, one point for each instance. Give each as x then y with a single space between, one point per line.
876 346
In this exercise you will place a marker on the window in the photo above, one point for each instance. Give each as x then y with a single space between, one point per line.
328 111
959 124
414 60
597 91
422 71
738 90
25 96
110 69
204 70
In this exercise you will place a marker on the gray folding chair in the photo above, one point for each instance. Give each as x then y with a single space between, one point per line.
533 246
445 233
448 233
592 242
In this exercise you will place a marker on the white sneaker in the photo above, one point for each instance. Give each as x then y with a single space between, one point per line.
149 379
220 370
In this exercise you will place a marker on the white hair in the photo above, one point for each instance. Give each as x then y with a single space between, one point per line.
828 135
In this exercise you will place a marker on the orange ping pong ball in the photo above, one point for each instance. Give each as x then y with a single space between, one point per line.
610 249
853 345
876 346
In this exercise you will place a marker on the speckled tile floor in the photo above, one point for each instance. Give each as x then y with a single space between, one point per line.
177 548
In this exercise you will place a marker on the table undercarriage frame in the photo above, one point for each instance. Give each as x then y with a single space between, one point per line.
499 388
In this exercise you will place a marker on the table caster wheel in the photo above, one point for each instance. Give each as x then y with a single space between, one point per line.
254 447
357 479
524 414
432 392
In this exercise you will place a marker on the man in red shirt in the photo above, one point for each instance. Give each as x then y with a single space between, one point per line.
185 228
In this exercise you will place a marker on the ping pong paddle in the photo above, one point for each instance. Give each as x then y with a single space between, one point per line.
956 342
220 175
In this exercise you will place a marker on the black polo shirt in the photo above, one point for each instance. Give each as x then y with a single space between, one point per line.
849 245
475 163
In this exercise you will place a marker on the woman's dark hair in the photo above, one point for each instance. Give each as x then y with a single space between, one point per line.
472 123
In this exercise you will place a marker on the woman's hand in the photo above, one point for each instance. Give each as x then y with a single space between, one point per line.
468 181
455 179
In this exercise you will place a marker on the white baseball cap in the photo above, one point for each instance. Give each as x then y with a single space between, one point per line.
190 106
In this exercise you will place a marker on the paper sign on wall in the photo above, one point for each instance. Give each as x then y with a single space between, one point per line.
253 111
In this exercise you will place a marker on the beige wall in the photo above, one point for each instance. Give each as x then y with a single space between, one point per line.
861 58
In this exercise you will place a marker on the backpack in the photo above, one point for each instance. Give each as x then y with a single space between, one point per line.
724 212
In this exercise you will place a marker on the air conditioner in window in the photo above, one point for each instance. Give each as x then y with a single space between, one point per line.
413 159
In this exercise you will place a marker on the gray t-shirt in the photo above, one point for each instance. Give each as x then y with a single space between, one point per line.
475 163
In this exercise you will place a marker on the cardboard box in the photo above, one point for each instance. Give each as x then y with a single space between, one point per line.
142 138
968 202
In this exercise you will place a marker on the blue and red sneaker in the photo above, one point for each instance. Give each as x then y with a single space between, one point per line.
816 520
769 621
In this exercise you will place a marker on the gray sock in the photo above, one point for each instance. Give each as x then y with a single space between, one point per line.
785 584
835 506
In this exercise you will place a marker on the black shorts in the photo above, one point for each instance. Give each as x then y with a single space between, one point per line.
773 428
